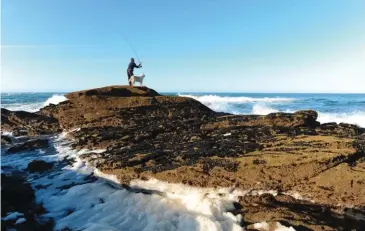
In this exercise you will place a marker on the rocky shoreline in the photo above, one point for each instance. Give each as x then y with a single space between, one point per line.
316 171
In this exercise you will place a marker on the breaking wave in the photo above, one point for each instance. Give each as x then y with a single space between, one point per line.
238 100
267 105
33 107
357 118
55 99
260 109
229 103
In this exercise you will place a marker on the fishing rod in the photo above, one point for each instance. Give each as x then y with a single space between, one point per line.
132 48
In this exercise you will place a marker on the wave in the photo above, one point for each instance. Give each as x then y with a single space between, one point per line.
229 104
259 109
55 99
264 106
237 100
357 117
35 106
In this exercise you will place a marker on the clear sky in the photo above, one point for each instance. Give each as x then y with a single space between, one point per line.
189 45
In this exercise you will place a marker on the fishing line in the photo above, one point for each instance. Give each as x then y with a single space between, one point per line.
130 45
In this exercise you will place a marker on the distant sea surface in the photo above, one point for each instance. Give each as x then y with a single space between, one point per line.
348 108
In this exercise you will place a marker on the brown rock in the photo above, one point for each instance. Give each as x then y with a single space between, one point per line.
26 123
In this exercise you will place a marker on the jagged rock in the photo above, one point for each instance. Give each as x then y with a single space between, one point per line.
6 140
29 146
39 166
26 123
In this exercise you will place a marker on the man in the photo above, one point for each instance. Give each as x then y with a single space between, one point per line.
131 66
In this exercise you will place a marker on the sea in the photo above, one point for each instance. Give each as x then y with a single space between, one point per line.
75 202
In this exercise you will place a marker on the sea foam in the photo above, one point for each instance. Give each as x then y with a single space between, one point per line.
74 198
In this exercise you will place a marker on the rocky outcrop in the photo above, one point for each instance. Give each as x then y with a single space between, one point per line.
39 166
22 123
29 146
122 110
179 140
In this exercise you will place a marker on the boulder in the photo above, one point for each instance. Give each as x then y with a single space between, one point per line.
17 196
39 166
29 146
6 140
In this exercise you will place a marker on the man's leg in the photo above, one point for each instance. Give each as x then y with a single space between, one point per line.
129 77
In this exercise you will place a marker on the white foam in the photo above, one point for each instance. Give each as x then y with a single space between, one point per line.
55 99
98 206
261 226
237 100
6 133
30 107
357 118
261 109
264 226
280 227
227 104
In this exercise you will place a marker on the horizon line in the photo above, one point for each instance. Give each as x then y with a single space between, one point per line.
198 92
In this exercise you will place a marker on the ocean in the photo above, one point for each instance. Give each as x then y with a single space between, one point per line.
346 108
98 205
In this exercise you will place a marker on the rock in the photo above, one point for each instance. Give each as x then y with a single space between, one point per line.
113 91
15 193
179 140
26 123
39 166
29 146
6 140
123 106
18 196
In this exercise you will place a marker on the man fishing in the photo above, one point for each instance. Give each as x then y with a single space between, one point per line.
130 69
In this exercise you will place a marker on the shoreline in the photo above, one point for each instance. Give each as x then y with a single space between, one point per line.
187 143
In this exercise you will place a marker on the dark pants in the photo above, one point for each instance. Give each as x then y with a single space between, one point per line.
130 74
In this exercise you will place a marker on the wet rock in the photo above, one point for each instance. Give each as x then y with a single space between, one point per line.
6 140
18 196
26 123
39 166
29 146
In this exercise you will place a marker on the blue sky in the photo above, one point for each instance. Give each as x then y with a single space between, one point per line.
185 46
